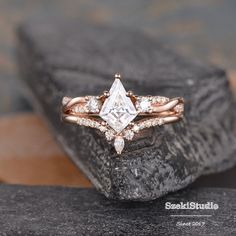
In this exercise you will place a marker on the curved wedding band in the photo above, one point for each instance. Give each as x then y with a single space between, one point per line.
121 115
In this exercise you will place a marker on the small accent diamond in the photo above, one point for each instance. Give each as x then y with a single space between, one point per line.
119 144
160 99
160 121
129 134
102 128
65 100
79 109
179 108
143 104
109 135
135 128
93 105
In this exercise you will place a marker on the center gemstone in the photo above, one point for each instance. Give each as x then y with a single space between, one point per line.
118 110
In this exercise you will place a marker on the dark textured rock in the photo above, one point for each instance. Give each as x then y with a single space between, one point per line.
69 211
73 59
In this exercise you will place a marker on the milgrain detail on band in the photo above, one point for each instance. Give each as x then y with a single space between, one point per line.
119 114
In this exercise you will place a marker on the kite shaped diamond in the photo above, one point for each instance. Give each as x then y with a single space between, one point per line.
118 110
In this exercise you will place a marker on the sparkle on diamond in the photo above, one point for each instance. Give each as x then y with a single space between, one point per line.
118 110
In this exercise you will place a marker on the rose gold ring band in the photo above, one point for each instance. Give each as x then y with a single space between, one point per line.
121 115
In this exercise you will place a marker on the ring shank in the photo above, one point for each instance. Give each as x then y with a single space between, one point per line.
170 110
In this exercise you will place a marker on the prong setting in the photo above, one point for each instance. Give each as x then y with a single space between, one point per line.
115 112
129 94
117 76
106 94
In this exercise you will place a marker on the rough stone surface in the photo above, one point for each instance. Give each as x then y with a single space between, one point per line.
73 59
70 211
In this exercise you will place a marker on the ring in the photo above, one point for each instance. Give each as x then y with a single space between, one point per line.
121 115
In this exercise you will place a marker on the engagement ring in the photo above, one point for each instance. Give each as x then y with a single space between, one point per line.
121 115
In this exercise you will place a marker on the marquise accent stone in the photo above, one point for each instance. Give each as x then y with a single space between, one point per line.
119 144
